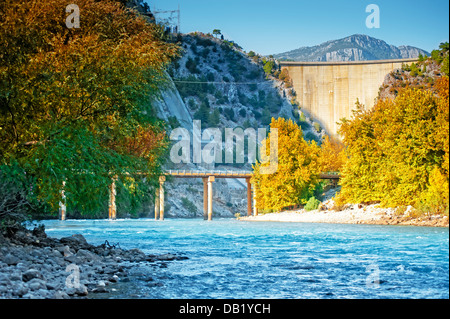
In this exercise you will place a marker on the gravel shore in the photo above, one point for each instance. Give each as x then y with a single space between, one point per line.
34 266
353 214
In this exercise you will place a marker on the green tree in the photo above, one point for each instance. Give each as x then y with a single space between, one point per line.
214 118
269 66
75 103
202 114
217 32
444 46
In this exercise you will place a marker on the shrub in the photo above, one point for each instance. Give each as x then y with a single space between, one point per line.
173 122
229 113
435 200
312 204
191 65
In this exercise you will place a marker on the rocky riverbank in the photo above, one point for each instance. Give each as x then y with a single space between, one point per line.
35 266
354 214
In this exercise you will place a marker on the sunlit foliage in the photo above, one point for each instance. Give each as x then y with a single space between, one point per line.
298 171
398 151
75 103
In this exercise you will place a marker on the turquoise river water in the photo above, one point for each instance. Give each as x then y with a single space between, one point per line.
230 259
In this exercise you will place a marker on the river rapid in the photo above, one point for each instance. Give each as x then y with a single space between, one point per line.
230 259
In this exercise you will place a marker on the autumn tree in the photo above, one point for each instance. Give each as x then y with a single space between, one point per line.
332 155
298 170
76 103
398 151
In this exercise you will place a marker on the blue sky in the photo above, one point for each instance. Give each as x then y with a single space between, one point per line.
267 26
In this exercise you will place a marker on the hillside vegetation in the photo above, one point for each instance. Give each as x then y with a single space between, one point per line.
223 86
398 152
395 154
75 109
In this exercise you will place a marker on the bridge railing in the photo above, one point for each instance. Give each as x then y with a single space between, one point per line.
208 172
325 175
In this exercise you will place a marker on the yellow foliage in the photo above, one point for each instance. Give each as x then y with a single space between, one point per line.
332 155
298 169
393 148
435 200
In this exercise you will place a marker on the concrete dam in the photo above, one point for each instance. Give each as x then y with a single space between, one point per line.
328 91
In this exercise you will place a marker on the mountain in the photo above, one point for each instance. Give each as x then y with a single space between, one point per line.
356 47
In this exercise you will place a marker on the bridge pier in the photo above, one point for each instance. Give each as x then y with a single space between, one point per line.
62 204
162 179
205 198
211 179
249 197
112 201
157 204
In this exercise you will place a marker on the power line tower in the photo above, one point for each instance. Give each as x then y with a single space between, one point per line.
169 18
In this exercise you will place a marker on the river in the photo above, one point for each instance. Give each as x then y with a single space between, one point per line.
230 259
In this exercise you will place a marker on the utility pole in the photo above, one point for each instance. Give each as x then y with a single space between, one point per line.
171 18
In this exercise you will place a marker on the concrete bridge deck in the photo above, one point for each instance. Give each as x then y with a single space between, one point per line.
230 174
208 177
202 174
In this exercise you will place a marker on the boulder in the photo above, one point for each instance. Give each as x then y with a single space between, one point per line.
11 260
39 232
61 295
80 290
167 257
76 242
19 289
100 290
36 284
31 274
86 256
24 237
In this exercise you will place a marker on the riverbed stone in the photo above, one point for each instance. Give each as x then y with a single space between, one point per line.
38 270
19 289
52 285
80 290
86 256
61 295
15 275
167 257
36 284
11 260
31 274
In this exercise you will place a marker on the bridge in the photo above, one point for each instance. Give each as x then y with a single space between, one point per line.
328 91
208 177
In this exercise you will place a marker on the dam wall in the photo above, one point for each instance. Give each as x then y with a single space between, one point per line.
328 91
